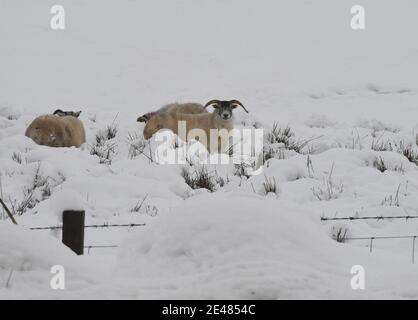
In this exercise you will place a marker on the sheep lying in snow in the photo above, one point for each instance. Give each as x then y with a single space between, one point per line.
220 119
175 108
61 129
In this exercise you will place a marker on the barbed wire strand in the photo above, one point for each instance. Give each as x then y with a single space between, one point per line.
370 218
94 226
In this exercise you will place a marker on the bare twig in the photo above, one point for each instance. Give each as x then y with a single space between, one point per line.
8 211
8 279
139 205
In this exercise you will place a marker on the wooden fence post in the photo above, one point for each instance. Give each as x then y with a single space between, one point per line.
73 230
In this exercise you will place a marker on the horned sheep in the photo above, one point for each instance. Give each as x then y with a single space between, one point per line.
221 118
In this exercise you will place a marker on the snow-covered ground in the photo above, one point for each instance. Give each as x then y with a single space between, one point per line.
352 94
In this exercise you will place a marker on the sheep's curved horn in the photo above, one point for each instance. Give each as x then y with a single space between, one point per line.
211 102
238 103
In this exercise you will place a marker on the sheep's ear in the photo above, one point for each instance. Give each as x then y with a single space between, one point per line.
77 114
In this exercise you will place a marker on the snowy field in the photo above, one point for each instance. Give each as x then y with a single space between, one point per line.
350 99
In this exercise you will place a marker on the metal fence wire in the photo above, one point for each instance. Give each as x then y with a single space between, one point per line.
73 231
105 225
406 217
372 239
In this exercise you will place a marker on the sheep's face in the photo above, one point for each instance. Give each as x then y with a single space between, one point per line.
223 109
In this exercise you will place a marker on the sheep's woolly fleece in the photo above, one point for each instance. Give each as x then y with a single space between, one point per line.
356 108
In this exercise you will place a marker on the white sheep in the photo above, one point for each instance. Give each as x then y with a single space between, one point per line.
61 129
175 108
221 118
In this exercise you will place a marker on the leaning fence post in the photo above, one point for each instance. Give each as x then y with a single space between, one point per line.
73 230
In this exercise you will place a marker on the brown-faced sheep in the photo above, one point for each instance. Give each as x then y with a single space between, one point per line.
57 130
